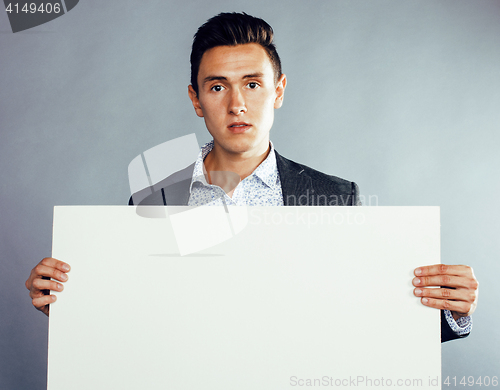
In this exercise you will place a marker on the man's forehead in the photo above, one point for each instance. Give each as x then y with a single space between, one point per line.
240 61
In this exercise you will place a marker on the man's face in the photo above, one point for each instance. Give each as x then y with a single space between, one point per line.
237 97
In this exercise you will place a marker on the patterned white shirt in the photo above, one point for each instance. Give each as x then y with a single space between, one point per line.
263 188
461 326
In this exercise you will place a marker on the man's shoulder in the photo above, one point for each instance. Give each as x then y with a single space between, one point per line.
295 168
299 180
173 190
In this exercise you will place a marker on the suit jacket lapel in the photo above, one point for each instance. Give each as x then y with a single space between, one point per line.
175 188
295 185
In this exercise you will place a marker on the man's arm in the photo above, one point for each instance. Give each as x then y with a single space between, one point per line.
459 293
40 285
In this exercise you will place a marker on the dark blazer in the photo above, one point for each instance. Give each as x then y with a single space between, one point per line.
301 186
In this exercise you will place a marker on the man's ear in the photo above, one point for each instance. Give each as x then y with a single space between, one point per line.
280 91
196 102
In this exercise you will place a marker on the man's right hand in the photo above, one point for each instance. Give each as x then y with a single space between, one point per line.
40 285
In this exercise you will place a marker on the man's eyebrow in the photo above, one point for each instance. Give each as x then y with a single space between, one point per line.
213 78
247 76
253 75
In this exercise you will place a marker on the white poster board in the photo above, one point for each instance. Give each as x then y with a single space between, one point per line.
300 296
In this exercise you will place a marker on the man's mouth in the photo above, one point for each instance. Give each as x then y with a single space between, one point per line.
239 127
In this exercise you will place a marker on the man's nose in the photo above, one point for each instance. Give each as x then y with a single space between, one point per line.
237 103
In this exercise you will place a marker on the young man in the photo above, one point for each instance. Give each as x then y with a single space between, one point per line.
236 84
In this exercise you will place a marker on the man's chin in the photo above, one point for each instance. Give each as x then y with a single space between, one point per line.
245 147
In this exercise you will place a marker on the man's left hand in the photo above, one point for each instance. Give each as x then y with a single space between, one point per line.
459 292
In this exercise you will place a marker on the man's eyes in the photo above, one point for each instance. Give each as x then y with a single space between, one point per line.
253 85
217 88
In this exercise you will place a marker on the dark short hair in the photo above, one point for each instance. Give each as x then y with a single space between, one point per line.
231 29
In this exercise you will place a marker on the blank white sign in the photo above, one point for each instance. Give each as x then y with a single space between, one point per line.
300 297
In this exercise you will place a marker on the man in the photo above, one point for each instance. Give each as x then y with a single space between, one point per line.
236 84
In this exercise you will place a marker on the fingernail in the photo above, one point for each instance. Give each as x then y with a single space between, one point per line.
417 281
54 298
418 271
418 291
64 277
65 267
425 300
59 286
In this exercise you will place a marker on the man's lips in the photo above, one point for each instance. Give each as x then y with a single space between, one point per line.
239 127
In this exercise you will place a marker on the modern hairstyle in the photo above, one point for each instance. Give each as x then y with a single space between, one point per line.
231 29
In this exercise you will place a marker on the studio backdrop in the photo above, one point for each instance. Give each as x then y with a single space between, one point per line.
401 97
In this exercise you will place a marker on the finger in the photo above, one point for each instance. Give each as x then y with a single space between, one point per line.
446 293
458 306
43 301
54 263
443 269
445 281
43 270
44 284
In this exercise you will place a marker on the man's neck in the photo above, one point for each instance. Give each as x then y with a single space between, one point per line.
243 164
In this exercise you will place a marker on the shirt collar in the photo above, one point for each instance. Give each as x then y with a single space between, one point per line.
267 171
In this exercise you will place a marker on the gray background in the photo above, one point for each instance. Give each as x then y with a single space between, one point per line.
400 96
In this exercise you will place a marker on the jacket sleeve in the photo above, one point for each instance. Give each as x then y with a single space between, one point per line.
355 195
447 333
